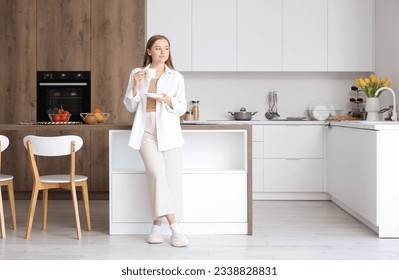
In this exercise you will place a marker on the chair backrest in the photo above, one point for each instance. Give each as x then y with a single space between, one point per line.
53 145
4 142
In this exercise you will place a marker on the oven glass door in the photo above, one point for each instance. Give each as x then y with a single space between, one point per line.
72 97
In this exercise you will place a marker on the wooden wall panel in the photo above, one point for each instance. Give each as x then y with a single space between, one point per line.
117 46
3 59
99 172
63 35
18 61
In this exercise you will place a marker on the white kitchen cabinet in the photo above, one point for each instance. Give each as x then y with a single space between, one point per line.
214 35
257 175
292 163
257 158
257 133
259 35
293 175
215 198
304 35
351 163
215 184
351 35
172 18
362 175
293 141
129 198
293 158
267 35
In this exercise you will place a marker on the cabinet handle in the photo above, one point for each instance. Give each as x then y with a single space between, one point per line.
293 158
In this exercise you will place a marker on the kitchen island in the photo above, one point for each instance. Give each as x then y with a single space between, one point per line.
217 185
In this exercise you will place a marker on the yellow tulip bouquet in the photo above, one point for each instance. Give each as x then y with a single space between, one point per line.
371 84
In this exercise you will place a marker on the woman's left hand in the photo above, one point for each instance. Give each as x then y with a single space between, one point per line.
165 99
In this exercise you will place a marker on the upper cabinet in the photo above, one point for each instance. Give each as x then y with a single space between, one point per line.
214 35
259 35
63 35
305 35
18 61
174 24
351 35
267 35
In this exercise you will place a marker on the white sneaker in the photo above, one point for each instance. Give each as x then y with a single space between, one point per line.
179 240
155 238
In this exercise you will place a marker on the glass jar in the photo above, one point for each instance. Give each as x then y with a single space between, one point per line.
189 116
195 110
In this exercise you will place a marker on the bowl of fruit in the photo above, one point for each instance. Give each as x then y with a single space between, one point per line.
59 116
95 117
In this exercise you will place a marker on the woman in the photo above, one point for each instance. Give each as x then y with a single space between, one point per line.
156 133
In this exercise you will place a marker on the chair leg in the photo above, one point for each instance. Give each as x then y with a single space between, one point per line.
10 189
76 209
31 213
44 209
2 224
85 194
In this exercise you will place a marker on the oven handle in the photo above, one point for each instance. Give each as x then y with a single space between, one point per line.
63 84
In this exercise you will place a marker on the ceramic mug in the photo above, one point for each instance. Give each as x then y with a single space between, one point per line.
150 73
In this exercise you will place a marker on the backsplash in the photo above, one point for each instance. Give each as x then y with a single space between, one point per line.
220 93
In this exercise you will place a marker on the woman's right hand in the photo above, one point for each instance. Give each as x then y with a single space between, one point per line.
138 76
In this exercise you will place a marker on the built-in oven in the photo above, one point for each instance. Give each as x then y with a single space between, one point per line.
69 90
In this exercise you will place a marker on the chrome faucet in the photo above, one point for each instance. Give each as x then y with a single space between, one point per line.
394 112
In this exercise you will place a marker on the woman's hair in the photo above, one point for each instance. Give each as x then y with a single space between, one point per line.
150 42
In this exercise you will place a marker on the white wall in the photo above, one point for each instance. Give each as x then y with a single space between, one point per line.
387 44
220 93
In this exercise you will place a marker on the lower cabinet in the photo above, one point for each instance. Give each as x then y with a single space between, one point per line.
293 175
207 198
215 198
362 176
215 192
288 161
352 169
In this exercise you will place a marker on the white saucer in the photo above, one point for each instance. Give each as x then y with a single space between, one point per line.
154 95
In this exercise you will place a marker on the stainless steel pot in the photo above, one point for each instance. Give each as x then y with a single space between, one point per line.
243 115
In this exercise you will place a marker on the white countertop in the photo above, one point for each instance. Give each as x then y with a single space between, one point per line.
373 125
257 122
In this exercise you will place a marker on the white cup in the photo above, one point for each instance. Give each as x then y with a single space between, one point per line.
151 73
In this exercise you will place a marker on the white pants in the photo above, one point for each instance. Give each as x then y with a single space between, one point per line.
164 173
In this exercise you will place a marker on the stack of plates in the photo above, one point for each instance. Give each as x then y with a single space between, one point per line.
320 111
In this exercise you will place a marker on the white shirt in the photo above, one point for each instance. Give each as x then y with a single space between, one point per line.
169 132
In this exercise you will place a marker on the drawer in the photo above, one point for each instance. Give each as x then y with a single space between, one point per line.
293 141
285 175
257 175
257 133
257 150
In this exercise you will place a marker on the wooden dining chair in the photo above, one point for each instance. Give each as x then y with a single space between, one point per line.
55 146
6 180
